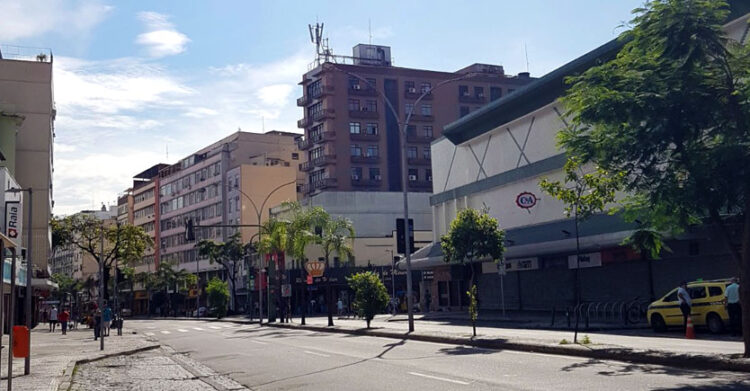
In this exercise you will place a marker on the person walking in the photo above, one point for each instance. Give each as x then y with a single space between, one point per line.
64 317
340 307
106 319
685 303
97 324
52 319
732 294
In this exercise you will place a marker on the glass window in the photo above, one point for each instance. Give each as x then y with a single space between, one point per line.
496 93
356 173
353 83
372 128
479 92
413 174
356 150
672 296
353 104
354 127
715 291
411 152
372 151
697 292
409 85
371 105
314 89
295 156
427 131
371 83
426 153
426 109
463 90
408 108
464 111
374 174
425 87
411 130
428 175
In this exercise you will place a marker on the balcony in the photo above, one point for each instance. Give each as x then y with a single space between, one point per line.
424 185
326 89
364 137
325 114
303 123
319 184
316 138
318 162
414 94
358 90
421 118
303 101
419 161
363 113
366 182
474 99
365 159
415 138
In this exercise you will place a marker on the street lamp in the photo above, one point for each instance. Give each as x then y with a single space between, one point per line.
404 172
29 271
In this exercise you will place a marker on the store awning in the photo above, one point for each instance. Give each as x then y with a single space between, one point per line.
44 284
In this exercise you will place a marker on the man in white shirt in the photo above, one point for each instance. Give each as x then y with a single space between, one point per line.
52 319
685 303
732 293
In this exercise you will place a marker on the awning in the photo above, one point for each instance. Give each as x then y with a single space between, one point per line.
44 283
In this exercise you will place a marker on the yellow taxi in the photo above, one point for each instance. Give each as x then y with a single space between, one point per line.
708 307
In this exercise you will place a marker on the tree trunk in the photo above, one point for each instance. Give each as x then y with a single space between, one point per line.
329 299
474 328
304 291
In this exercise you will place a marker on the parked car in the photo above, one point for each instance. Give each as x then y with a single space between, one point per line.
126 312
201 312
708 307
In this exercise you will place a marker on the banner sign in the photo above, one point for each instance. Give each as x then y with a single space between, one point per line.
13 221
585 260
519 264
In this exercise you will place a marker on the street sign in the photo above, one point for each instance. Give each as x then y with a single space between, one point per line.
286 290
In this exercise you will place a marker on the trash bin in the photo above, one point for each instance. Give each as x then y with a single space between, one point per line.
20 341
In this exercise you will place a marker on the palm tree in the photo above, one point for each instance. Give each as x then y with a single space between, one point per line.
273 241
336 238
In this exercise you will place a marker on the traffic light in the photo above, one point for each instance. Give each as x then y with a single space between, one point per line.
401 235
189 230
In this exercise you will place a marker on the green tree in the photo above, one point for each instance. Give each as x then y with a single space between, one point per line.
84 231
66 286
149 281
672 111
584 192
473 236
218 295
649 244
128 274
370 295
229 255
473 308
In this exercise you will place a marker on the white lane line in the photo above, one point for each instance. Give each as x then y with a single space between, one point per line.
439 378
150 327
165 332
197 328
182 330
150 334
322 355
214 327
258 342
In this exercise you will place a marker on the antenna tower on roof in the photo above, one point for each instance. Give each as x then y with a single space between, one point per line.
322 51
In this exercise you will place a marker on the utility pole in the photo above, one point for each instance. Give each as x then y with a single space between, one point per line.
101 286
29 289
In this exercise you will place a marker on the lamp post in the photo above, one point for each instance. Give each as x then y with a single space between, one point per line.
29 272
404 172
258 214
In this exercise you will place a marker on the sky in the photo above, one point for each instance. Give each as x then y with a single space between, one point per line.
143 82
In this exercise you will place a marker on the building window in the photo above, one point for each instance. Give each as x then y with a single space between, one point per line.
372 151
411 152
354 127
426 153
354 83
464 111
316 153
413 175
427 131
411 130
314 89
237 203
409 86
479 92
372 128
496 93
425 87
315 110
371 105
353 104
374 174
371 83
463 90
356 173
295 156
408 108
428 175
356 150
426 109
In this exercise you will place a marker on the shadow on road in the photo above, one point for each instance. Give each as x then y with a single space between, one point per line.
614 368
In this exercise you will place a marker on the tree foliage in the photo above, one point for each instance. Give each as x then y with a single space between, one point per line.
370 295
228 254
473 235
672 113
647 242
218 295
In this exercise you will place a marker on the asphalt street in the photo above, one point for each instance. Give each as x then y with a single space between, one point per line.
280 359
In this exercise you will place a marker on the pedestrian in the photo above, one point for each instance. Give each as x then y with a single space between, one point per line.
52 319
732 294
97 324
685 303
428 301
106 319
340 306
64 317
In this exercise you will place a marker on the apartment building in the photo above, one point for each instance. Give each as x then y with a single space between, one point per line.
26 94
125 207
76 263
352 137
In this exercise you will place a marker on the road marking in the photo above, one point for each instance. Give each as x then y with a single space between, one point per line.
320 354
197 328
214 327
182 330
150 334
150 327
258 342
439 378
547 355
165 332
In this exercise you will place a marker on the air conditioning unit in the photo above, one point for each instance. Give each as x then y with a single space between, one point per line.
412 177
480 95
364 108
356 87
355 177
466 93
413 90
378 177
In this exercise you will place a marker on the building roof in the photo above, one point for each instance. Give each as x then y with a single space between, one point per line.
544 90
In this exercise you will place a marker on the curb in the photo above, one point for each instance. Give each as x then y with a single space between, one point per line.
651 357
65 381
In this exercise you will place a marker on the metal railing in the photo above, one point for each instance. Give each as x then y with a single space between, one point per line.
25 53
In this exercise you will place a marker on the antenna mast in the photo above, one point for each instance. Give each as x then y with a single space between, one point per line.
322 52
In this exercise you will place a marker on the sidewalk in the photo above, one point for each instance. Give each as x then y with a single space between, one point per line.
53 356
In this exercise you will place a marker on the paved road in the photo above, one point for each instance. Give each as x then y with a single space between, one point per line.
280 359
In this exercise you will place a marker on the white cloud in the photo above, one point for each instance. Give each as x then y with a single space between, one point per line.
275 95
200 112
28 18
161 38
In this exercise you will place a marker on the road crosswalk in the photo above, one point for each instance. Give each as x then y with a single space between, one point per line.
170 328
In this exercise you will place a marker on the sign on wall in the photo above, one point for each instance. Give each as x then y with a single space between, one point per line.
14 221
526 200
586 260
519 264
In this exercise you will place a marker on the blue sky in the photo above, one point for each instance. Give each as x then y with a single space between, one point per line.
135 78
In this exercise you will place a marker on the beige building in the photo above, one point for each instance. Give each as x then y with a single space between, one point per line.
26 94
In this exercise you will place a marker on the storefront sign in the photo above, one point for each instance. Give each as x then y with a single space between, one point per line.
13 221
526 200
519 264
585 260
315 268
